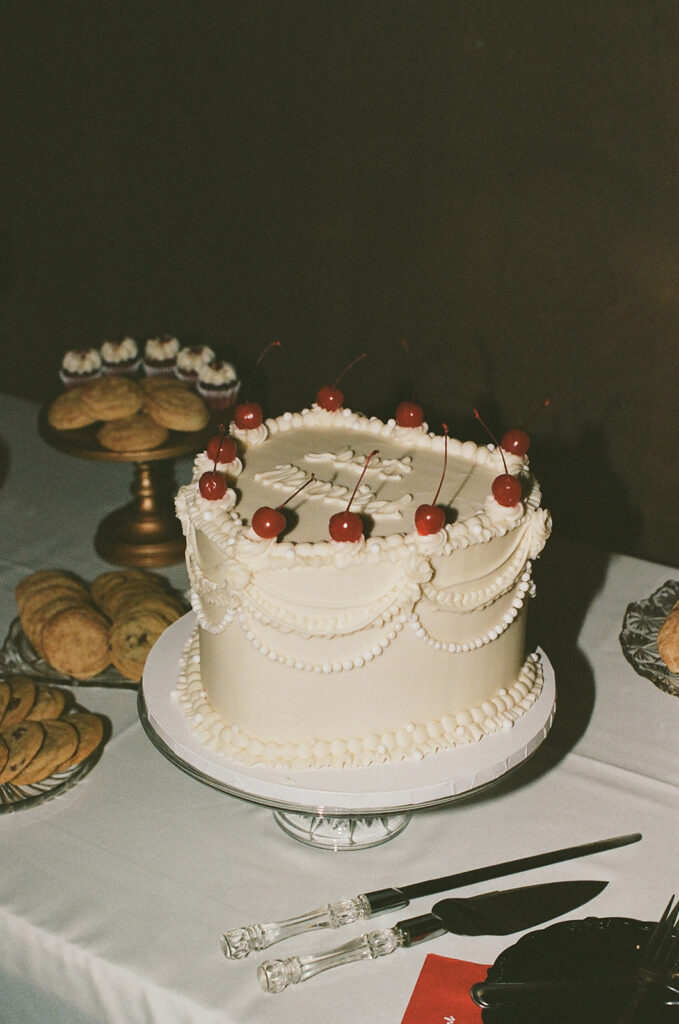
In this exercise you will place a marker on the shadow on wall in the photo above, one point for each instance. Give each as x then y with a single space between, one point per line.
586 496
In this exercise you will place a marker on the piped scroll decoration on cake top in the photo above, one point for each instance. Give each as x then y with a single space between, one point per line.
289 475
384 469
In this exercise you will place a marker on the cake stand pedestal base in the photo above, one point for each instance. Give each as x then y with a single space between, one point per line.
341 833
146 532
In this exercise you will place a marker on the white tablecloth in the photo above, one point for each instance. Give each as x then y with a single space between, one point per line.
113 895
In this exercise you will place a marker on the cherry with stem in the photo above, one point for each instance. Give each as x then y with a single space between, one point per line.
517 441
430 519
347 526
220 448
409 413
505 487
248 415
329 396
212 484
270 522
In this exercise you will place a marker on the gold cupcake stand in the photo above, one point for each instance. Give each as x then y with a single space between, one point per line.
145 532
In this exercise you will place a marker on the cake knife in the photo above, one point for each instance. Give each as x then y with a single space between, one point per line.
491 913
238 943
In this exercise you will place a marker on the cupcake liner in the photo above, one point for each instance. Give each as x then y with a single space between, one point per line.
159 371
187 378
70 380
220 398
129 369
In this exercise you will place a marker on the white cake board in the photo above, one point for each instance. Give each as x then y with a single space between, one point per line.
378 790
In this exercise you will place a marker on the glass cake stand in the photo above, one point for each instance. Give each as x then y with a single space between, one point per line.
335 809
145 532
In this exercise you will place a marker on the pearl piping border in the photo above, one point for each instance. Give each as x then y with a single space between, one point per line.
524 588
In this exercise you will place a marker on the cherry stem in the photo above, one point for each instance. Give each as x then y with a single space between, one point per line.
445 461
219 448
273 344
544 405
294 493
347 368
492 435
365 466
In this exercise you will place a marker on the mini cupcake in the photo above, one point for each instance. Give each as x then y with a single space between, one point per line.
160 355
120 357
189 362
80 365
218 384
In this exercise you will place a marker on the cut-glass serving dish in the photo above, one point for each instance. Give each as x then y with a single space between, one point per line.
639 636
18 655
14 797
19 798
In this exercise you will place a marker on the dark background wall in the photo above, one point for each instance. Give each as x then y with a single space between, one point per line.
494 182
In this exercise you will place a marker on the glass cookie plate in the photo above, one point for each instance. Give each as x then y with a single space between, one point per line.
14 797
18 798
572 949
17 655
639 636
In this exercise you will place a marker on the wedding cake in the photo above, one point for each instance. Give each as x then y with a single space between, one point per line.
314 652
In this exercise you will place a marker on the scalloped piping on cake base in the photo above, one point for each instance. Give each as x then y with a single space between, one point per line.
413 741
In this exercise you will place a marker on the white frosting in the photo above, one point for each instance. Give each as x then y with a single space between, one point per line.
217 373
405 628
119 351
202 464
251 436
81 360
190 359
161 349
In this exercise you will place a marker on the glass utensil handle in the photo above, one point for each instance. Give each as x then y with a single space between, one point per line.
240 942
275 975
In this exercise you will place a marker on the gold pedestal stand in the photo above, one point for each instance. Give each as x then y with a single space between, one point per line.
145 532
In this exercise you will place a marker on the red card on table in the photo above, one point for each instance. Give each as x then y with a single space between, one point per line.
441 993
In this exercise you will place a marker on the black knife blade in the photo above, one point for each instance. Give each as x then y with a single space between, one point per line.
494 913
502 912
382 900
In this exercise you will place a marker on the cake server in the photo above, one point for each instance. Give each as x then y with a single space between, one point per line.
492 913
240 942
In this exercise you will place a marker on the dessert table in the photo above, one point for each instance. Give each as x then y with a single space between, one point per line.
114 894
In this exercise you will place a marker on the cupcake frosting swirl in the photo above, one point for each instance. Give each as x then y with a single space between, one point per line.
161 349
119 351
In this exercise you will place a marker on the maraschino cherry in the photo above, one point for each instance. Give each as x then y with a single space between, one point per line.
270 522
220 448
347 526
517 441
431 518
329 396
248 415
409 414
212 484
505 487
